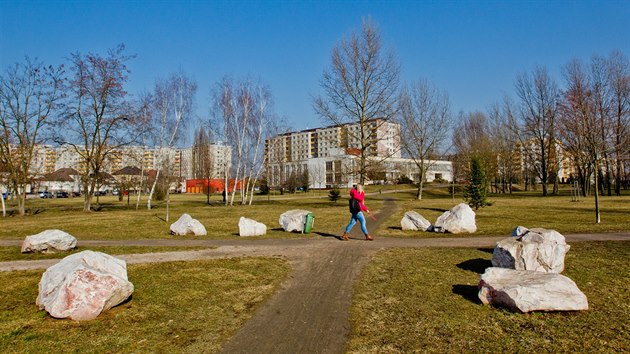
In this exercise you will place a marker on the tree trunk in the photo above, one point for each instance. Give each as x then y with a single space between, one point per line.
21 199
168 200
597 217
4 208
157 176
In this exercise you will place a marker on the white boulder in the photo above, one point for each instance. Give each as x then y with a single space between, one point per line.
537 249
527 291
49 241
83 285
293 220
249 227
187 225
460 218
414 221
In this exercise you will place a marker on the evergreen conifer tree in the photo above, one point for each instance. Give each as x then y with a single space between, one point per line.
475 192
334 194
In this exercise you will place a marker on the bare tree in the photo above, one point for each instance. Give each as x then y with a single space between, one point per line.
203 158
360 87
539 94
619 78
173 104
575 115
425 121
581 123
97 116
29 95
505 140
471 138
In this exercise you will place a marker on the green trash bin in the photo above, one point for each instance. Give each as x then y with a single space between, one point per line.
308 223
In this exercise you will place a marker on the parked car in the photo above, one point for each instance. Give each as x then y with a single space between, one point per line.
76 194
6 195
61 194
45 194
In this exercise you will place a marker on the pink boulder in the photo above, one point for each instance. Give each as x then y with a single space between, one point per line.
83 285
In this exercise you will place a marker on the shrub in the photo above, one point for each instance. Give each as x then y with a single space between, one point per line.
334 194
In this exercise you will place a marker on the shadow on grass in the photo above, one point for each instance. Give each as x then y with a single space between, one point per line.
477 265
395 228
468 292
324 234
486 250
435 209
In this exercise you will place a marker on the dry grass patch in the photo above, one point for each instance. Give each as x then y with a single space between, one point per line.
425 300
176 307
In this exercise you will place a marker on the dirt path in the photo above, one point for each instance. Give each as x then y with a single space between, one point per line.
310 312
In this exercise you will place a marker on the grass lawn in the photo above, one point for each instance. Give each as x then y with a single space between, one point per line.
176 307
15 254
114 220
528 209
425 300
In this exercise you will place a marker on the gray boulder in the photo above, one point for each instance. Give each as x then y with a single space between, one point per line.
249 227
293 220
49 241
519 231
187 225
527 291
415 222
83 285
459 219
537 249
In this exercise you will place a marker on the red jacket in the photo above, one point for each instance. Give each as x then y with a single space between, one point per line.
359 196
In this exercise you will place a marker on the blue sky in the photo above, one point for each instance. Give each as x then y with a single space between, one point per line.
471 49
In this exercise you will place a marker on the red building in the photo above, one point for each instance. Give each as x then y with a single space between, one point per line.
216 185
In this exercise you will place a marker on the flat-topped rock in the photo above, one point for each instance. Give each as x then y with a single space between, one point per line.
526 291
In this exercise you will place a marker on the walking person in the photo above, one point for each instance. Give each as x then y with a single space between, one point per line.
357 207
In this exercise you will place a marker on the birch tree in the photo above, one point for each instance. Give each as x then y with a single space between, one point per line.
173 104
144 128
425 121
360 87
29 94
245 110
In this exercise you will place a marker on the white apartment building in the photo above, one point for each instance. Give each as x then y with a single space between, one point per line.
329 156
333 140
